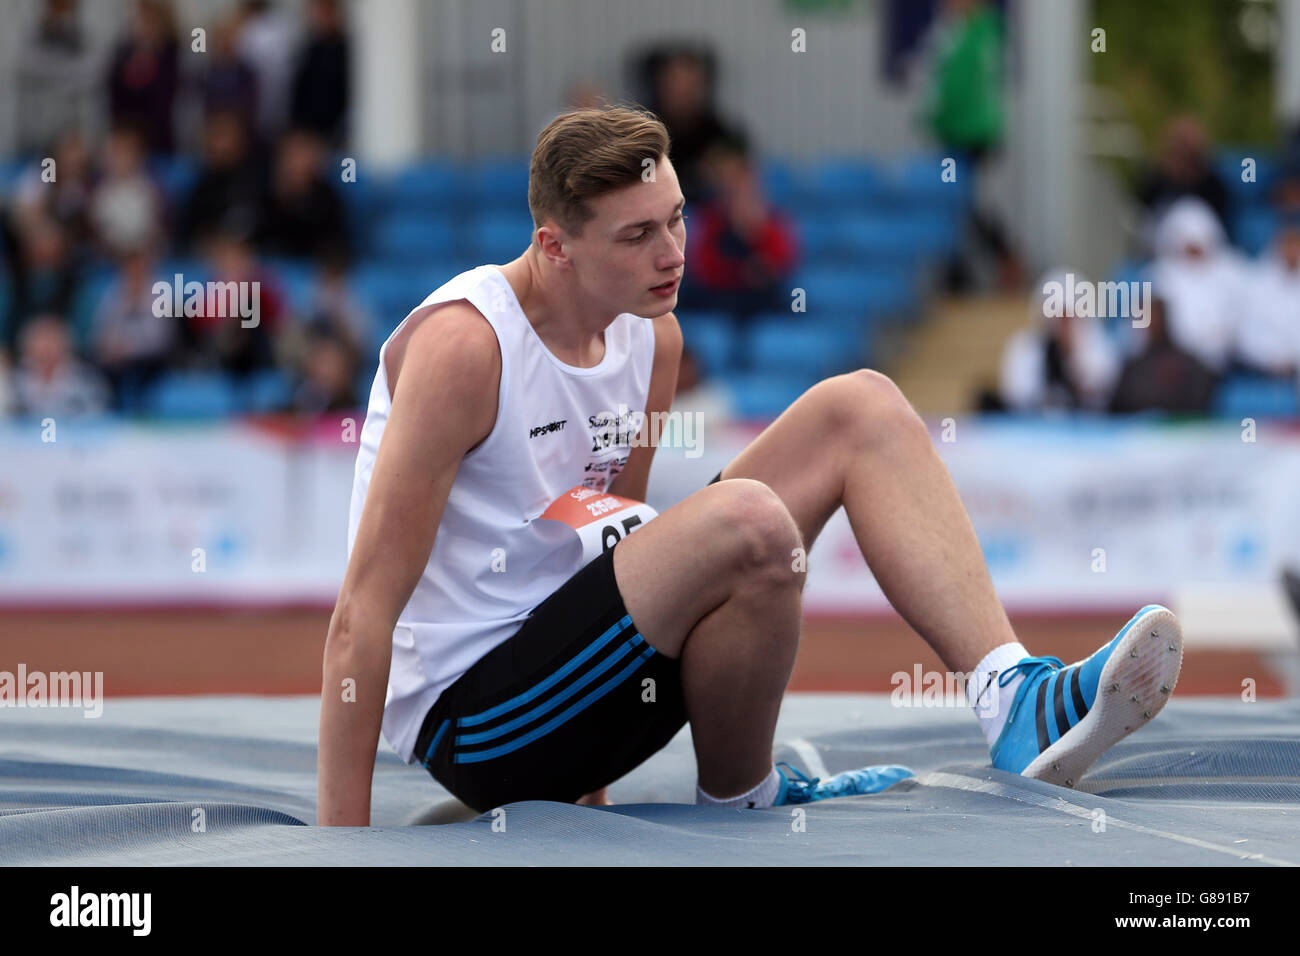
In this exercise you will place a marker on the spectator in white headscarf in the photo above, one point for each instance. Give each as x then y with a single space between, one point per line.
1268 336
1062 360
1201 280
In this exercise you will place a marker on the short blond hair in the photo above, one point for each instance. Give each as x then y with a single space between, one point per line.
585 153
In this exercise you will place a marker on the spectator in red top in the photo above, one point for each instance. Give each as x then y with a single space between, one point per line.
742 251
223 340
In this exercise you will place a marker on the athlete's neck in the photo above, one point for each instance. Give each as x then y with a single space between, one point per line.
551 304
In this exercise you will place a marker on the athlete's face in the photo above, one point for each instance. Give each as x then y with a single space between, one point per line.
631 256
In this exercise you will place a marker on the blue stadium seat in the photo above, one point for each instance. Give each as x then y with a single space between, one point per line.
175 175
712 337
94 285
857 292
869 237
1227 163
1254 228
820 238
365 379
296 277
266 391
916 183
855 331
389 293
836 183
498 185
1130 270
410 239
368 202
789 342
926 234
1242 396
431 186
778 182
764 395
11 170
1120 327
499 238
190 395
190 269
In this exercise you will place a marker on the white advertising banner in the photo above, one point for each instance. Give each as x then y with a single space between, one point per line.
1069 515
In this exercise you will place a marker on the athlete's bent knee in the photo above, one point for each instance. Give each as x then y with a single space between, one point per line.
762 532
869 403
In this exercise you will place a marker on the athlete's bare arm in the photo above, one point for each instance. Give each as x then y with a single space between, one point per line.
633 480
445 375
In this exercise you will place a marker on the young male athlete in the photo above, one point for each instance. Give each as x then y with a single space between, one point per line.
541 631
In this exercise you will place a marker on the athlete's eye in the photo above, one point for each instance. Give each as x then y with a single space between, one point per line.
672 222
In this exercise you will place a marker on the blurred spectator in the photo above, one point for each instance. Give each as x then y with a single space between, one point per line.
229 86
64 202
1183 168
742 251
45 278
143 76
1059 362
302 214
1163 377
50 380
964 109
132 343
267 36
681 88
320 82
328 373
222 341
334 308
126 210
54 77
1268 333
227 194
1201 281
586 94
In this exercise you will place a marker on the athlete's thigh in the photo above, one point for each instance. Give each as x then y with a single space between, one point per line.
800 457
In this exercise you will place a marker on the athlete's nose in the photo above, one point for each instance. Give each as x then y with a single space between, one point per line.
673 256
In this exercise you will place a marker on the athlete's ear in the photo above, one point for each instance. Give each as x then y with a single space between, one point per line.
552 241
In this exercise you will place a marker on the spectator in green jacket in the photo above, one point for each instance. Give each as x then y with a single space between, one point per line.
964 111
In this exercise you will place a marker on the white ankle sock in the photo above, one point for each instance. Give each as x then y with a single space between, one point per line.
991 702
761 796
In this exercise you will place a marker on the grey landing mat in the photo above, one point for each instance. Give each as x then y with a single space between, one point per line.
1209 782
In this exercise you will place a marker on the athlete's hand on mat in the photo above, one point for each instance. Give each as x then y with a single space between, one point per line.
595 799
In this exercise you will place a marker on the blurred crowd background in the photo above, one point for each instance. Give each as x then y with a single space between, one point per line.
229 165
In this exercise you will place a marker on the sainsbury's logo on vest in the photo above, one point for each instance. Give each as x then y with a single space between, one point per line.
547 429
666 430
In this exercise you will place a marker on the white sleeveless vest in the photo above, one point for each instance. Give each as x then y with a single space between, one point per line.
557 427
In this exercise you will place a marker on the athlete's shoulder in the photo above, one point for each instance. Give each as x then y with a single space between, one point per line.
668 334
450 343
456 330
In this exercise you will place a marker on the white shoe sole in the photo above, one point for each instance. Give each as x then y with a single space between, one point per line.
1136 682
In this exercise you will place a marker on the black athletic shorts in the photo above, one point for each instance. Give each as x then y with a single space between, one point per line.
568 704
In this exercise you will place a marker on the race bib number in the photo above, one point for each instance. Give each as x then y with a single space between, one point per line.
599 519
